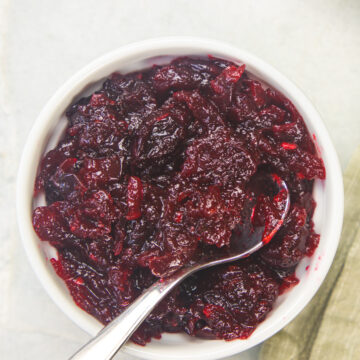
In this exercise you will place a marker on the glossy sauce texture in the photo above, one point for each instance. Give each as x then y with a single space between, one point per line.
153 172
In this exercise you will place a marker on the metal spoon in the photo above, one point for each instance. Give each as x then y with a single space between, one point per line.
245 241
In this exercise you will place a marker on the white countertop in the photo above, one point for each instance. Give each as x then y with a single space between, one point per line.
316 43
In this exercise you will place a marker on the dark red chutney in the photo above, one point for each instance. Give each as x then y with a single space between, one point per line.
152 173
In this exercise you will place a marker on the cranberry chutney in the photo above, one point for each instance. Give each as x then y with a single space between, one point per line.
152 173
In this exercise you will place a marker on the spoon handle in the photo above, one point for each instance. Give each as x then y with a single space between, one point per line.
113 336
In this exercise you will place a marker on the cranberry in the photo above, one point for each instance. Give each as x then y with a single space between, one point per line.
134 198
153 173
218 159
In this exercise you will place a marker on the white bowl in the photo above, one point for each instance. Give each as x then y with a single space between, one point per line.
328 194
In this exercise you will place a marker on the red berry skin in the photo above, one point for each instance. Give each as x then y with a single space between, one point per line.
134 198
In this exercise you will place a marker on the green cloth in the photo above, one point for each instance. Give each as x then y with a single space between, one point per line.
329 327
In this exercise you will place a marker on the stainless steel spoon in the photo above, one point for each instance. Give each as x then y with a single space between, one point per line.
245 242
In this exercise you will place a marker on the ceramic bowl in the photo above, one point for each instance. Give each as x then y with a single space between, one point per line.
328 194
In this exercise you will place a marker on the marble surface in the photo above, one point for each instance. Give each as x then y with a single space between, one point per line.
316 43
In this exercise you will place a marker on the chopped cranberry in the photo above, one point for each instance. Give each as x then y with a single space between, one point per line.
218 159
154 172
98 172
224 84
229 76
134 198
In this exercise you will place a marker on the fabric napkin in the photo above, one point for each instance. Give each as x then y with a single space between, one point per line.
329 327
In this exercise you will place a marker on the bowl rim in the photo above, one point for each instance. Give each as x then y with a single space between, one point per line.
77 83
